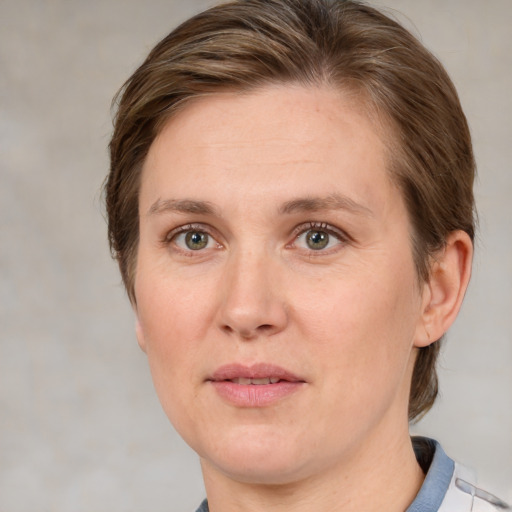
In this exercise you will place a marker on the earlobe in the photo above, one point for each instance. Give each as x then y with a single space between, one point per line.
140 335
445 289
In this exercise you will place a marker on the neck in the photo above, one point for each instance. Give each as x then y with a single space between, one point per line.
384 474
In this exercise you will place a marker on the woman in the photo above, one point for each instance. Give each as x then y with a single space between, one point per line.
290 203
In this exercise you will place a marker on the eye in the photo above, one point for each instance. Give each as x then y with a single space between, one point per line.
193 240
318 238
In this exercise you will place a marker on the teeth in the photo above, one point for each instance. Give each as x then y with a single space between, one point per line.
260 381
257 382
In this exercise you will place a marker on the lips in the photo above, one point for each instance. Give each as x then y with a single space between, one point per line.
255 373
258 385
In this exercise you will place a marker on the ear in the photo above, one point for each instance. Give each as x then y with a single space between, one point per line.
140 334
443 293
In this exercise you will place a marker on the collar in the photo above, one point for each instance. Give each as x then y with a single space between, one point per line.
439 470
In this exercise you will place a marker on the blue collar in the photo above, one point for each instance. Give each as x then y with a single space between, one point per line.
438 477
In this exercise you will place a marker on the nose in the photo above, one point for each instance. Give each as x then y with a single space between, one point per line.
252 300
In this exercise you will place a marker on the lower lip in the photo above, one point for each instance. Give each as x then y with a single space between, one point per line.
255 395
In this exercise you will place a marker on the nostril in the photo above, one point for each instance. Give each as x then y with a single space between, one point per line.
227 329
247 334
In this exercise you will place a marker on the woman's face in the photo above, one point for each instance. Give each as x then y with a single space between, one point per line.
277 299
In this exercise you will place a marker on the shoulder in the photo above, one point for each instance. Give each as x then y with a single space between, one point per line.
449 486
203 507
463 495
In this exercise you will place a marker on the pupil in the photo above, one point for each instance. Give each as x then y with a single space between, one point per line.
196 240
317 239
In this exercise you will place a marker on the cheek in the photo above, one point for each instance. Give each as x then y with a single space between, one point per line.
173 309
173 318
363 352
356 302
362 324
172 354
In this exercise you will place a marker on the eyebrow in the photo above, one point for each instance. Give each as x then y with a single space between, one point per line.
305 204
331 202
182 206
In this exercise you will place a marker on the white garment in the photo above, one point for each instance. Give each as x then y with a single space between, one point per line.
463 496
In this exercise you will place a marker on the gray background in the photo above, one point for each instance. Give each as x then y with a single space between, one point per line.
80 427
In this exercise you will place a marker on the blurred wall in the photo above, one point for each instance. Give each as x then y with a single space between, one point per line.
80 426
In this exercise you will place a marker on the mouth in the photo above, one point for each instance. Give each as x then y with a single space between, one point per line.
255 382
255 386
259 374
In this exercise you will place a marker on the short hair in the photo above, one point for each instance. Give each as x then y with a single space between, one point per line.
243 45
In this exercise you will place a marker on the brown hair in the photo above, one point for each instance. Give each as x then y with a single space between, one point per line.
245 44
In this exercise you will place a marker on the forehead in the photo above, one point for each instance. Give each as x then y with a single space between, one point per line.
265 141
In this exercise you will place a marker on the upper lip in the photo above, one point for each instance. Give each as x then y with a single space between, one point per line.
254 371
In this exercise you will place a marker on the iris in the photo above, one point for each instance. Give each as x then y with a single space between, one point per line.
196 240
317 240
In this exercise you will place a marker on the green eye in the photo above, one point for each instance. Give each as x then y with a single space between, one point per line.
319 237
317 240
196 240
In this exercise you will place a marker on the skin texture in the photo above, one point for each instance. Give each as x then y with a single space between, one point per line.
253 176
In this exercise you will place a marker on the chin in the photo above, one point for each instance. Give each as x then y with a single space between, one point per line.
261 458
267 472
